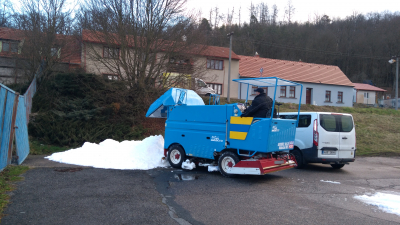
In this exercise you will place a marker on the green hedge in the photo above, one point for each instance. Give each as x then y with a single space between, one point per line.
70 109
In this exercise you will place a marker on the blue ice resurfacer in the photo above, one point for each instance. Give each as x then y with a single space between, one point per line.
218 135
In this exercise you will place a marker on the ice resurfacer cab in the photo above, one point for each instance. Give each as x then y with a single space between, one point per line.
217 135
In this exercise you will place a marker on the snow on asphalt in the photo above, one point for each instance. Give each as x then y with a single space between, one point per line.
328 181
111 154
389 203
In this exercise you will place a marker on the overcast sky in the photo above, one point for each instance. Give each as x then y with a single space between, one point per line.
304 9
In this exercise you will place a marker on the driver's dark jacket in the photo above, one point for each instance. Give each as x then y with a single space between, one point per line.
259 107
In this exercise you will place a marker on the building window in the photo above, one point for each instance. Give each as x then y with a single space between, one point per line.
366 95
292 92
217 88
9 46
215 64
111 53
253 90
328 96
111 77
340 97
56 52
283 91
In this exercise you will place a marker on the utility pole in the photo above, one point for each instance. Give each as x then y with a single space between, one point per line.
229 69
397 82
396 59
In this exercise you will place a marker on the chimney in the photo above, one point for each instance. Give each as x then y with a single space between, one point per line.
256 55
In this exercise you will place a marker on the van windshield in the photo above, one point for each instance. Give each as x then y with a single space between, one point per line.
201 83
336 123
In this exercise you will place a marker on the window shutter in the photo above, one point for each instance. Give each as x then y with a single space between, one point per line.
59 53
20 46
1 46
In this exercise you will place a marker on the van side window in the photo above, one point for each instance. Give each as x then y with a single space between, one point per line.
346 123
304 120
328 122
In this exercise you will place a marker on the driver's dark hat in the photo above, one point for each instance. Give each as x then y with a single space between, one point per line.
260 90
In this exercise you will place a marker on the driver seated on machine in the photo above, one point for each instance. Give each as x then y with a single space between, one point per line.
260 106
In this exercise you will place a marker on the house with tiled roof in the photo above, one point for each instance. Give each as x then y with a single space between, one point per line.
366 93
322 84
13 58
212 60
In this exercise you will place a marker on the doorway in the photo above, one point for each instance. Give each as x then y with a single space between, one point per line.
308 96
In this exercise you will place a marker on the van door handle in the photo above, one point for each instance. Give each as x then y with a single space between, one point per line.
344 137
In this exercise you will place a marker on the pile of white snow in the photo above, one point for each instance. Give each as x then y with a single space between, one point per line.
389 203
110 154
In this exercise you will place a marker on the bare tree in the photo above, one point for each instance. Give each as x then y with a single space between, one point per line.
6 13
289 11
274 15
146 44
47 27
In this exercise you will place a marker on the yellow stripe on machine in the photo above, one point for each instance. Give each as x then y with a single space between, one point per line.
241 120
237 135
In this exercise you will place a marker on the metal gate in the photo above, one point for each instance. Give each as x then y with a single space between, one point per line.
8 111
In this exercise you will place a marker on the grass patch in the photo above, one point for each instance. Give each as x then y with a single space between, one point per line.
9 174
38 148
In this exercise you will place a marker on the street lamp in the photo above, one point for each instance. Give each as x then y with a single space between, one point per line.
229 69
391 61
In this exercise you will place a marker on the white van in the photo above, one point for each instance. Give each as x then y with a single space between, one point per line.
202 88
323 137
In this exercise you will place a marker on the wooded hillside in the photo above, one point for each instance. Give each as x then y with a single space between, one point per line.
360 45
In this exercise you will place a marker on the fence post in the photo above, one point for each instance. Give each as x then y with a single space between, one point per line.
14 116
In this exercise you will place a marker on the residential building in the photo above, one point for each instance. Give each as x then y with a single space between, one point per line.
366 93
212 60
322 84
14 66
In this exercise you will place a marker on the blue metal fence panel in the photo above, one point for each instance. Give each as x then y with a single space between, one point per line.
5 139
21 132
3 93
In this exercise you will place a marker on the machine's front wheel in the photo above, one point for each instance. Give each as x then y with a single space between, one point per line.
176 156
226 162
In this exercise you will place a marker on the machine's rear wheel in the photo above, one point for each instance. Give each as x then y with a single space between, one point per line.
299 159
226 162
176 156
337 166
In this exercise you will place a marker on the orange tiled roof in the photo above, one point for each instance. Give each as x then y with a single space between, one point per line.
250 66
208 51
367 87
11 34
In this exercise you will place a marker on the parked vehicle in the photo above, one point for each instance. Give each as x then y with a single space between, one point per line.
217 135
323 137
186 81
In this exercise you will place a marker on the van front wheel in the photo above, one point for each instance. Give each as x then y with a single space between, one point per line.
299 159
337 166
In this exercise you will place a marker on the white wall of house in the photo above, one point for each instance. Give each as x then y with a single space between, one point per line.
366 97
318 92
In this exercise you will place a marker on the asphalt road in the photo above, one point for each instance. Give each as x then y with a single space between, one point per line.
53 193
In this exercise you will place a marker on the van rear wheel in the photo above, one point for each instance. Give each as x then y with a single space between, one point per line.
337 166
299 159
